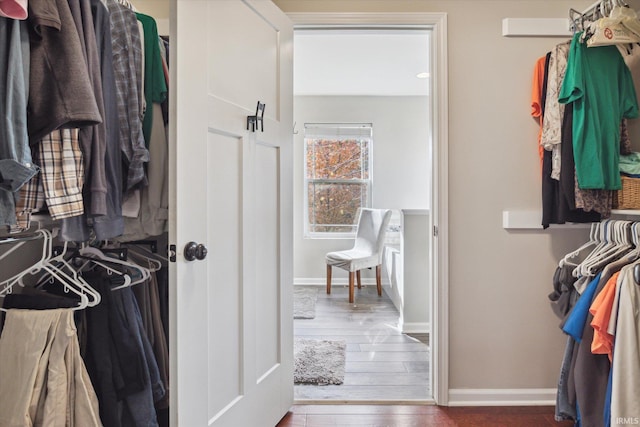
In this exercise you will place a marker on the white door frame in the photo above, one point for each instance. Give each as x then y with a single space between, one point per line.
439 244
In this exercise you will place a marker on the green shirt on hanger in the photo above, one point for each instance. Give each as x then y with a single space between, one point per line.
600 86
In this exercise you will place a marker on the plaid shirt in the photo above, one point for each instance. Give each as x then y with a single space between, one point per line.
127 66
29 199
62 171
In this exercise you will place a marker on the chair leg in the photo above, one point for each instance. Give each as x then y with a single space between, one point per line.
359 279
328 279
379 279
351 290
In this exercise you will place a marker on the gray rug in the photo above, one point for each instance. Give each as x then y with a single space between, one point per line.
304 302
319 362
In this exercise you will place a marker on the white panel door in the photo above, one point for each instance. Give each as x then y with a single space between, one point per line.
232 327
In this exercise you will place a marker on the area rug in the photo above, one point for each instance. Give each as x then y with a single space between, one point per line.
319 362
304 302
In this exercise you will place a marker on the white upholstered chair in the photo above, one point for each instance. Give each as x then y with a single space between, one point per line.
366 252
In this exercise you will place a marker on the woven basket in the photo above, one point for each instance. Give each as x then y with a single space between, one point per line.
629 196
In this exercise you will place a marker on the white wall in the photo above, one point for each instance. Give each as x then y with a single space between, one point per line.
415 281
401 178
503 334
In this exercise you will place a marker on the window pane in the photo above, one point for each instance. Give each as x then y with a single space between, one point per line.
337 159
337 175
334 207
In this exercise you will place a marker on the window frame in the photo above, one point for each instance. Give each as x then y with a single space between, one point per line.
334 132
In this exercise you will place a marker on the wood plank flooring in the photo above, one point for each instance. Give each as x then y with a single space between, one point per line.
385 365
419 416
381 363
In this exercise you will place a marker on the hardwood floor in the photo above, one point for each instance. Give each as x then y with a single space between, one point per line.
381 363
419 416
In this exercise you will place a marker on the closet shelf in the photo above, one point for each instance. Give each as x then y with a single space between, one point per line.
536 27
530 219
626 212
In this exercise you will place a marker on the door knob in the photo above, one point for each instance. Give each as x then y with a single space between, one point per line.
193 251
201 251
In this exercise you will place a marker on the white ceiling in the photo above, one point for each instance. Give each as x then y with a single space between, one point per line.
381 62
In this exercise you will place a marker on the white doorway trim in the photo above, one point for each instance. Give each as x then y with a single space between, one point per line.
439 245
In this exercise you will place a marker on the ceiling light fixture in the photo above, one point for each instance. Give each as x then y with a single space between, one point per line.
423 75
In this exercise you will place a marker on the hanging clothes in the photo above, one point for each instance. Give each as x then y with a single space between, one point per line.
599 85
147 209
108 222
60 92
537 94
43 380
594 388
111 224
120 358
625 387
571 201
127 55
558 204
16 163
551 137
155 87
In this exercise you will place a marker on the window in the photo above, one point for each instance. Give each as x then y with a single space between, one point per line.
337 176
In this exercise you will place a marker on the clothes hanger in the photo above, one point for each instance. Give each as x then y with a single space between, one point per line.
611 29
627 16
577 20
110 267
7 284
622 245
71 277
593 240
98 257
603 243
43 264
60 262
154 261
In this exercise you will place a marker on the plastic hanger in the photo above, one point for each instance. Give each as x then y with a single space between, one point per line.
612 28
98 257
628 18
70 281
63 265
603 243
154 264
7 284
110 267
593 240
622 244
42 264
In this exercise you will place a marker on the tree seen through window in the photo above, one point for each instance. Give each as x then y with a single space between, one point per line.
337 179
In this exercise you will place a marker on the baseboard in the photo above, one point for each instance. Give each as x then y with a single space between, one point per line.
415 328
336 281
503 397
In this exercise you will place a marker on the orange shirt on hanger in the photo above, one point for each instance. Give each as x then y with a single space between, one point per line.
601 310
536 98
